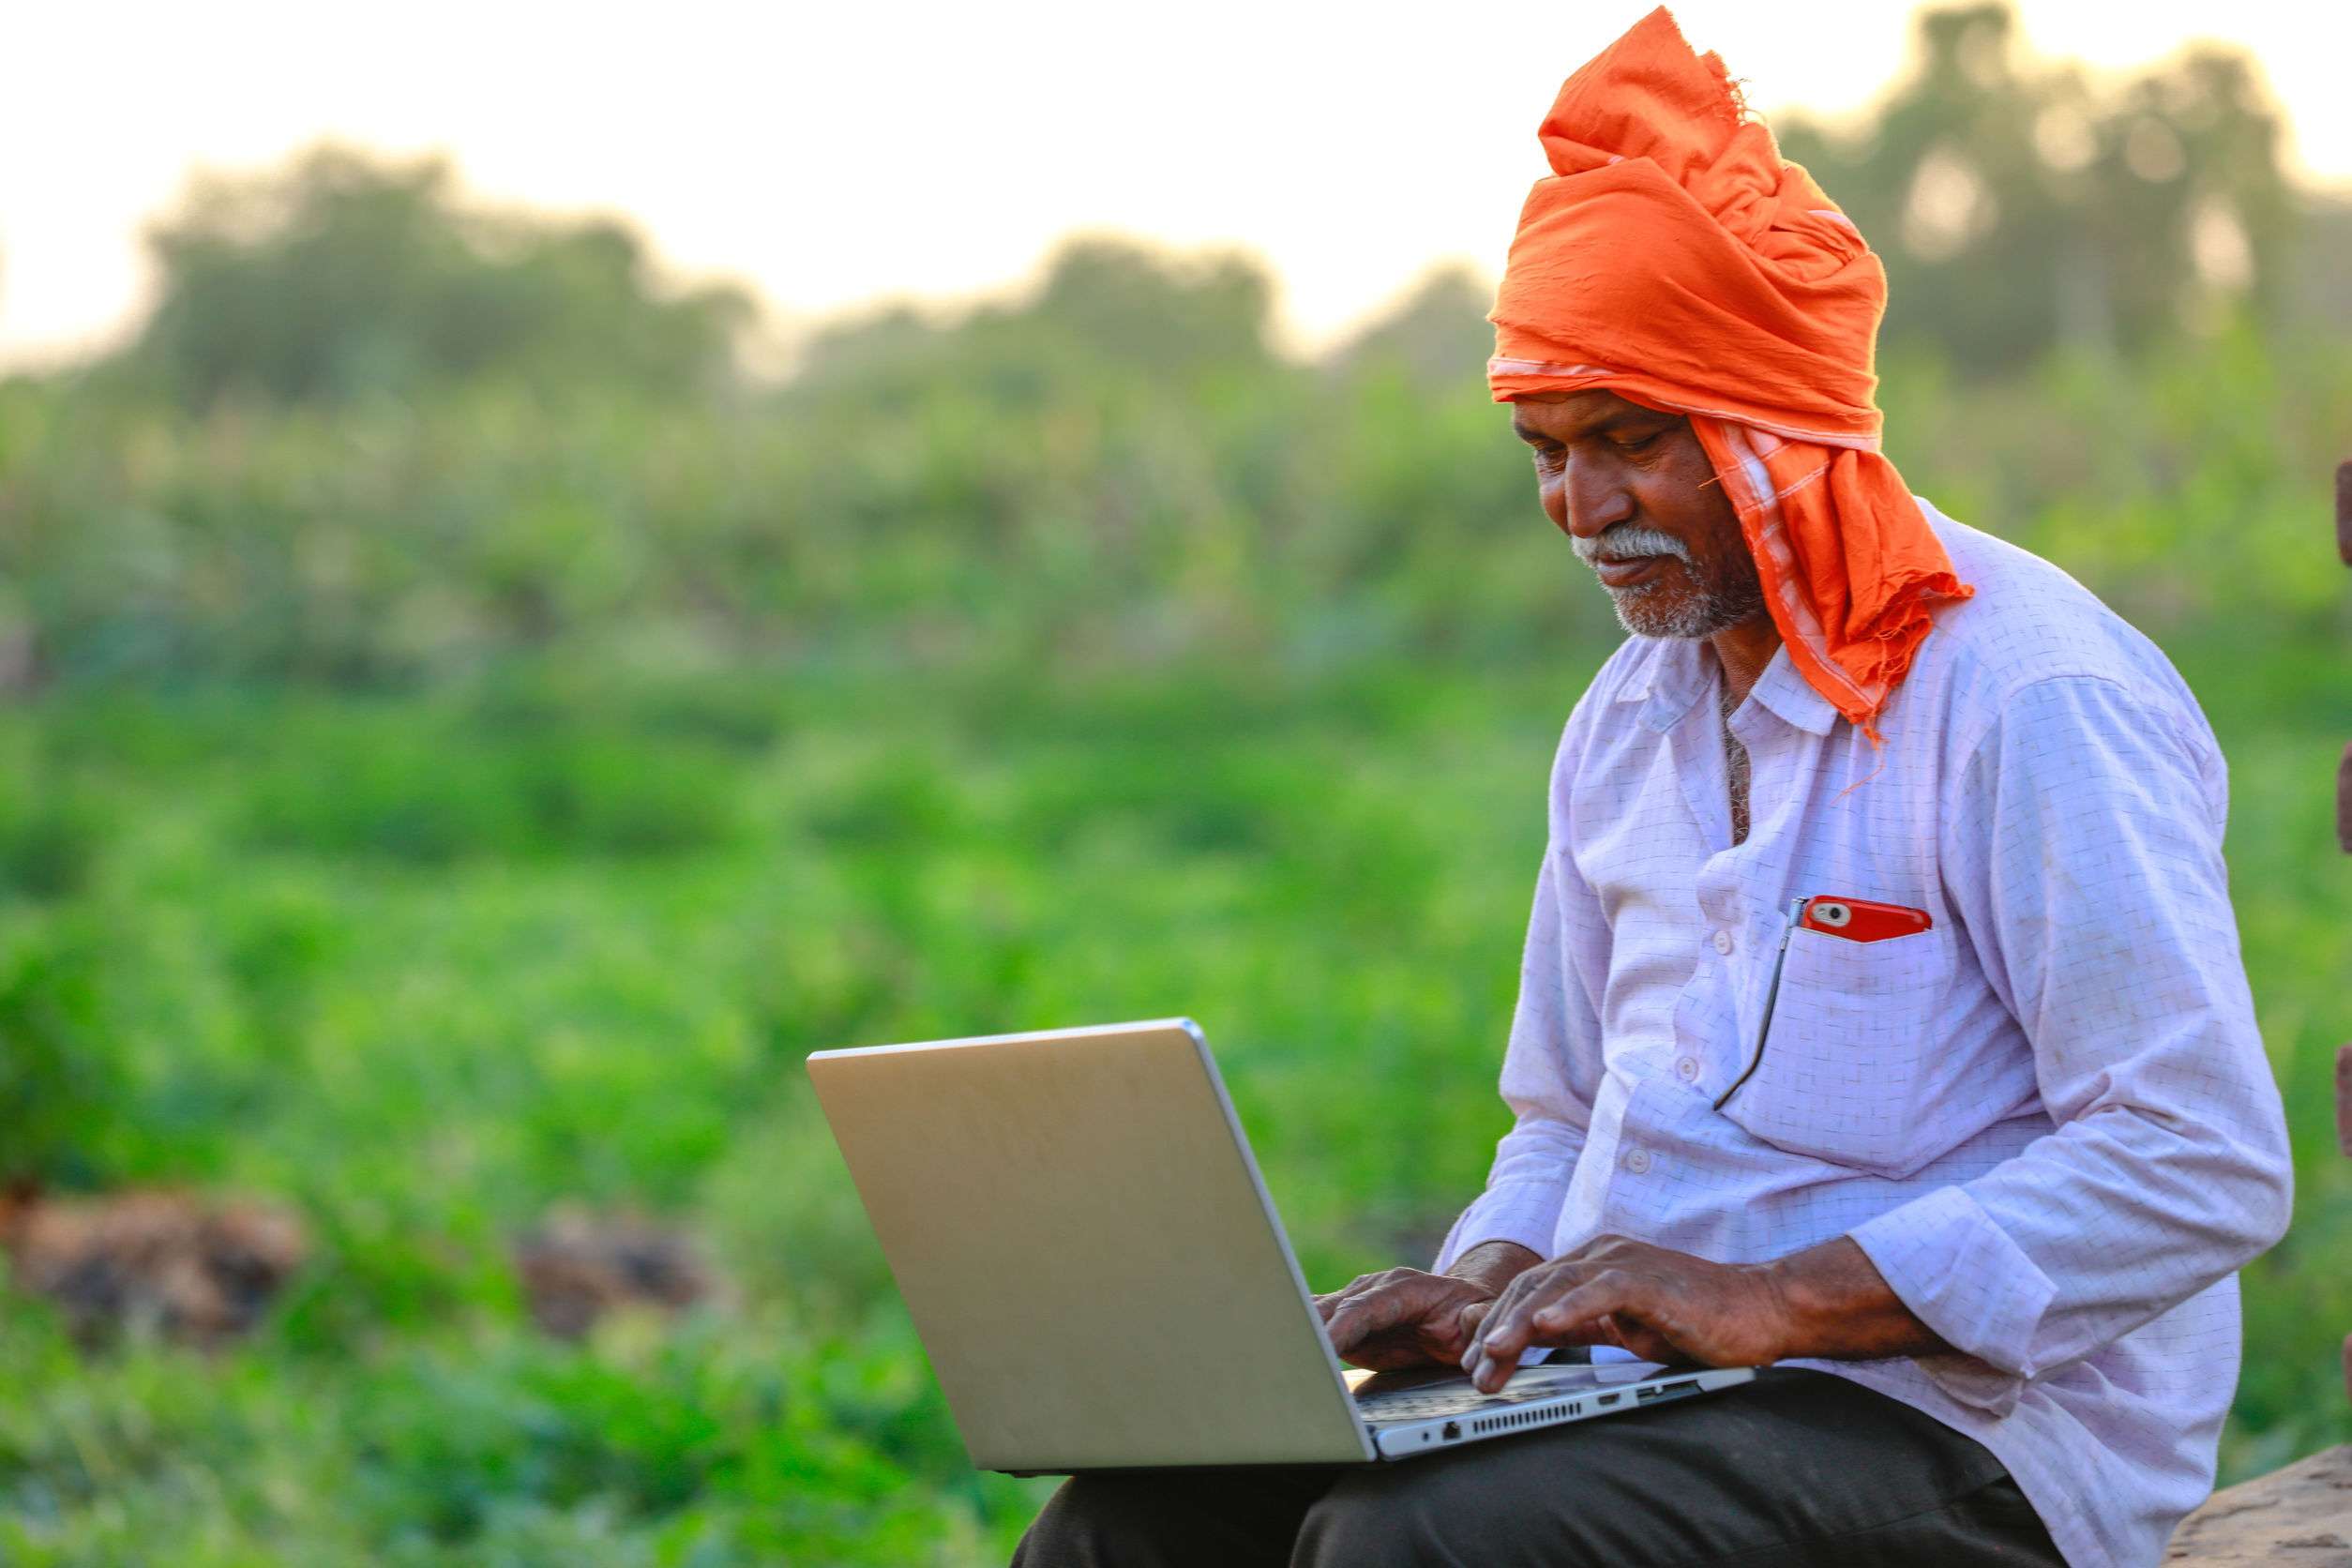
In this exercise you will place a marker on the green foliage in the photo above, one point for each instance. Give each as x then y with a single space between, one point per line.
447 769
1266 508
2019 207
346 276
49 831
1107 308
58 1072
348 782
1328 865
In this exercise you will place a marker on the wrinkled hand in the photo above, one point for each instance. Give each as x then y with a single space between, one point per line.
1402 1317
1661 1305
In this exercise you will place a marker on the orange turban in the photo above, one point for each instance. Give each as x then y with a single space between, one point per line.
1672 258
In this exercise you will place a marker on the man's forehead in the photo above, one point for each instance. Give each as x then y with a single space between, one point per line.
1560 415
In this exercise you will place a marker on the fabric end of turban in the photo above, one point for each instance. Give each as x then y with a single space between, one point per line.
1655 50
1887 656
1806 510
1733 110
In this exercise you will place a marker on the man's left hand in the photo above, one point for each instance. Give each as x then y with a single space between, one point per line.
1660 1304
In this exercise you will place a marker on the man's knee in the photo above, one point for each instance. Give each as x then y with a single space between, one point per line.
1441 1514
1173 1517
1361 1529
1089 1519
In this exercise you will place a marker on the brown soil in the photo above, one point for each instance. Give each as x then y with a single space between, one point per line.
195 1270
578 1266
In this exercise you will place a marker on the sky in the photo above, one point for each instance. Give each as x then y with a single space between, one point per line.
834 157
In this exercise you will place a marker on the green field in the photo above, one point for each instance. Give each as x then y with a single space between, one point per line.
428 804
464 738
424 964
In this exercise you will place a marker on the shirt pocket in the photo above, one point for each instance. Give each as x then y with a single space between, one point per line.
1847 1065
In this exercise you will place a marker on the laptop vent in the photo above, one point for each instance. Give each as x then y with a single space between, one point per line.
1485 1425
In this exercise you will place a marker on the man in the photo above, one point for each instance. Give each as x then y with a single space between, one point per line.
1980 1189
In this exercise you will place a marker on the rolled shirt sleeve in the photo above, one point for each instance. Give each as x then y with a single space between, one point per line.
2083 851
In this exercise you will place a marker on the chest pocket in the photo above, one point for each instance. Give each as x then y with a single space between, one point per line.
1847 1068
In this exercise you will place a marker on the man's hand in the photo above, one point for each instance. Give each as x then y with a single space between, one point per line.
1828 1300
1401 1318
1662 1305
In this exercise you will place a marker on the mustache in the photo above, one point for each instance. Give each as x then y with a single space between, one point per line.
1624 541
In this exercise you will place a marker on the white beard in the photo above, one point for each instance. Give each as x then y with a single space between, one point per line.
1640 610
1715 609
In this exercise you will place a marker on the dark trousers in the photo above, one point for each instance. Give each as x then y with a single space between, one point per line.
1796 1467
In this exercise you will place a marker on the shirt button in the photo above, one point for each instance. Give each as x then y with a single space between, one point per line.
1638 1161
1686 1068
1723 941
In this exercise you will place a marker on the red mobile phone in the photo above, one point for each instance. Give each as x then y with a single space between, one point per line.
1861 919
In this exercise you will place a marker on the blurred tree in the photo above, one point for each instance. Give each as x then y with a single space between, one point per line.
344 274
2019 205
1185 315
1436 336
2320 290
1104 309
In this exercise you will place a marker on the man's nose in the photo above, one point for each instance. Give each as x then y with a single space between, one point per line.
1589 499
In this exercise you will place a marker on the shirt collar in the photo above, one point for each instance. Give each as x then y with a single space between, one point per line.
1677 672
1787 695
1667 680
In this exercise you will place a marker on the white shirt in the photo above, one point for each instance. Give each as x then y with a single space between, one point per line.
2048 1119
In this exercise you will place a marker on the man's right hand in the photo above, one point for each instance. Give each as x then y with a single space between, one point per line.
1402 1317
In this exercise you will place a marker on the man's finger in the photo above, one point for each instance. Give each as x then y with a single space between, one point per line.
1363 1285
1528 1292
1467 1321
1514 1323
1579 1316
1489 1367
1499 1311
1364 1316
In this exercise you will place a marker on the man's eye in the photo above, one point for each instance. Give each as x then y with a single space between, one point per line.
1639 442
1548 457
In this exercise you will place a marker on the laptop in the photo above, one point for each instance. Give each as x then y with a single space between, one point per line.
1098 1277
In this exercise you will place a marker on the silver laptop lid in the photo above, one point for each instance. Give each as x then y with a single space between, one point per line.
1088 1251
